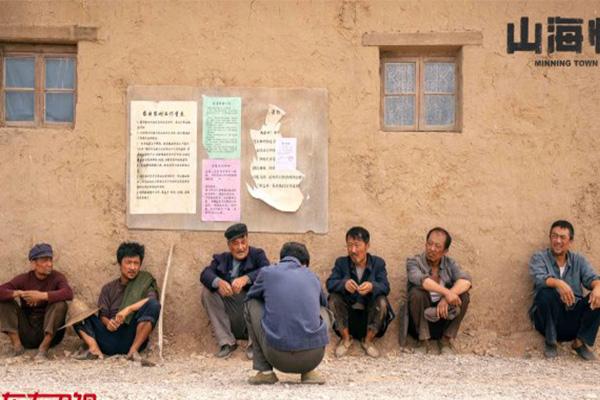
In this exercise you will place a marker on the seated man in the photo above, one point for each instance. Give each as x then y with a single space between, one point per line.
438 295
560 311
129 309
43 293
287 319
358 287
226 281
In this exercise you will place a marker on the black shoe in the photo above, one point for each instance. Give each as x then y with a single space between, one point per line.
226 350
550 350
584 352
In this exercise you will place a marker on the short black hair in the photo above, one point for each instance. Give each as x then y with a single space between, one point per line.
358 233
561 223
297 250
130 249
448 241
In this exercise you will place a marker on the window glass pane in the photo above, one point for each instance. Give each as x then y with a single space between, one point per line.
20 72
60 73
399 111
19 106
439 109
439 77
399 78
59 107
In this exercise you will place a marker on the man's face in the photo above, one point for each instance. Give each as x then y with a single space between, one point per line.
130 267
357 250
435 247
42 267
560 240
239 247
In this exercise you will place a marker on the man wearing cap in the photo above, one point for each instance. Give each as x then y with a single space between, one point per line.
129 309
438 295
226 281
560 311
287 318
43 293
358 287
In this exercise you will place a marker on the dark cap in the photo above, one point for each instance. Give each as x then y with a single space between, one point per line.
40 250
235 231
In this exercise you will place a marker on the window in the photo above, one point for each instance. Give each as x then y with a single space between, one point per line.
420 93
38 86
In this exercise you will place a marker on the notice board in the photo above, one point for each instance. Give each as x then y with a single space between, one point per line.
204 158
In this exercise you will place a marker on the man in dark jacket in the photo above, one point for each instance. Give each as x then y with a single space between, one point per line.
287 318
226 281
358 287
43 293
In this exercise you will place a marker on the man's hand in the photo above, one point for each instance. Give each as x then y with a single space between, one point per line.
34 297
595 298
351 286
225 289
452 298
110 324
365 288
238 283
566 293
17 294
442 309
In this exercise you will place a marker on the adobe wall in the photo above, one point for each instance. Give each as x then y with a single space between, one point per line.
529 151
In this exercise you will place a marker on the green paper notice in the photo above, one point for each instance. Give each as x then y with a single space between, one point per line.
222 126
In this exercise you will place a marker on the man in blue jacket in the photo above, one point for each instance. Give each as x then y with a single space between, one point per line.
560 310
358 287
287 318
226 281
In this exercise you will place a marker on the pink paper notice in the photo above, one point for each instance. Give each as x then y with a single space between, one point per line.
220 190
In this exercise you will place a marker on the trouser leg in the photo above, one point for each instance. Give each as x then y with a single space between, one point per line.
452 326
548 310
340 310
219 319
9 316
54 318
418 301
376 313
253 312
234 307
584 320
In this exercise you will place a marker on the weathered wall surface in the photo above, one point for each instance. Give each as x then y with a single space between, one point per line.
528 152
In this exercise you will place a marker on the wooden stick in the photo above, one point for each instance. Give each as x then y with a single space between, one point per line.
162 303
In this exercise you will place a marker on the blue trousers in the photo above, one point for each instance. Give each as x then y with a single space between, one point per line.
557 323
119 341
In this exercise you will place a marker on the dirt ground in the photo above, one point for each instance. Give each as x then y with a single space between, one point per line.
396 374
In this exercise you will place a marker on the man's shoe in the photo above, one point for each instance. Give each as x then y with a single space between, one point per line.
424 347
226 350
584 352
18 351
262 378
550 350
312 378
86 355
41 356
342 348
446 347
370 349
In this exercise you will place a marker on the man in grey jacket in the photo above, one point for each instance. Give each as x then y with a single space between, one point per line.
438 295
560 311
